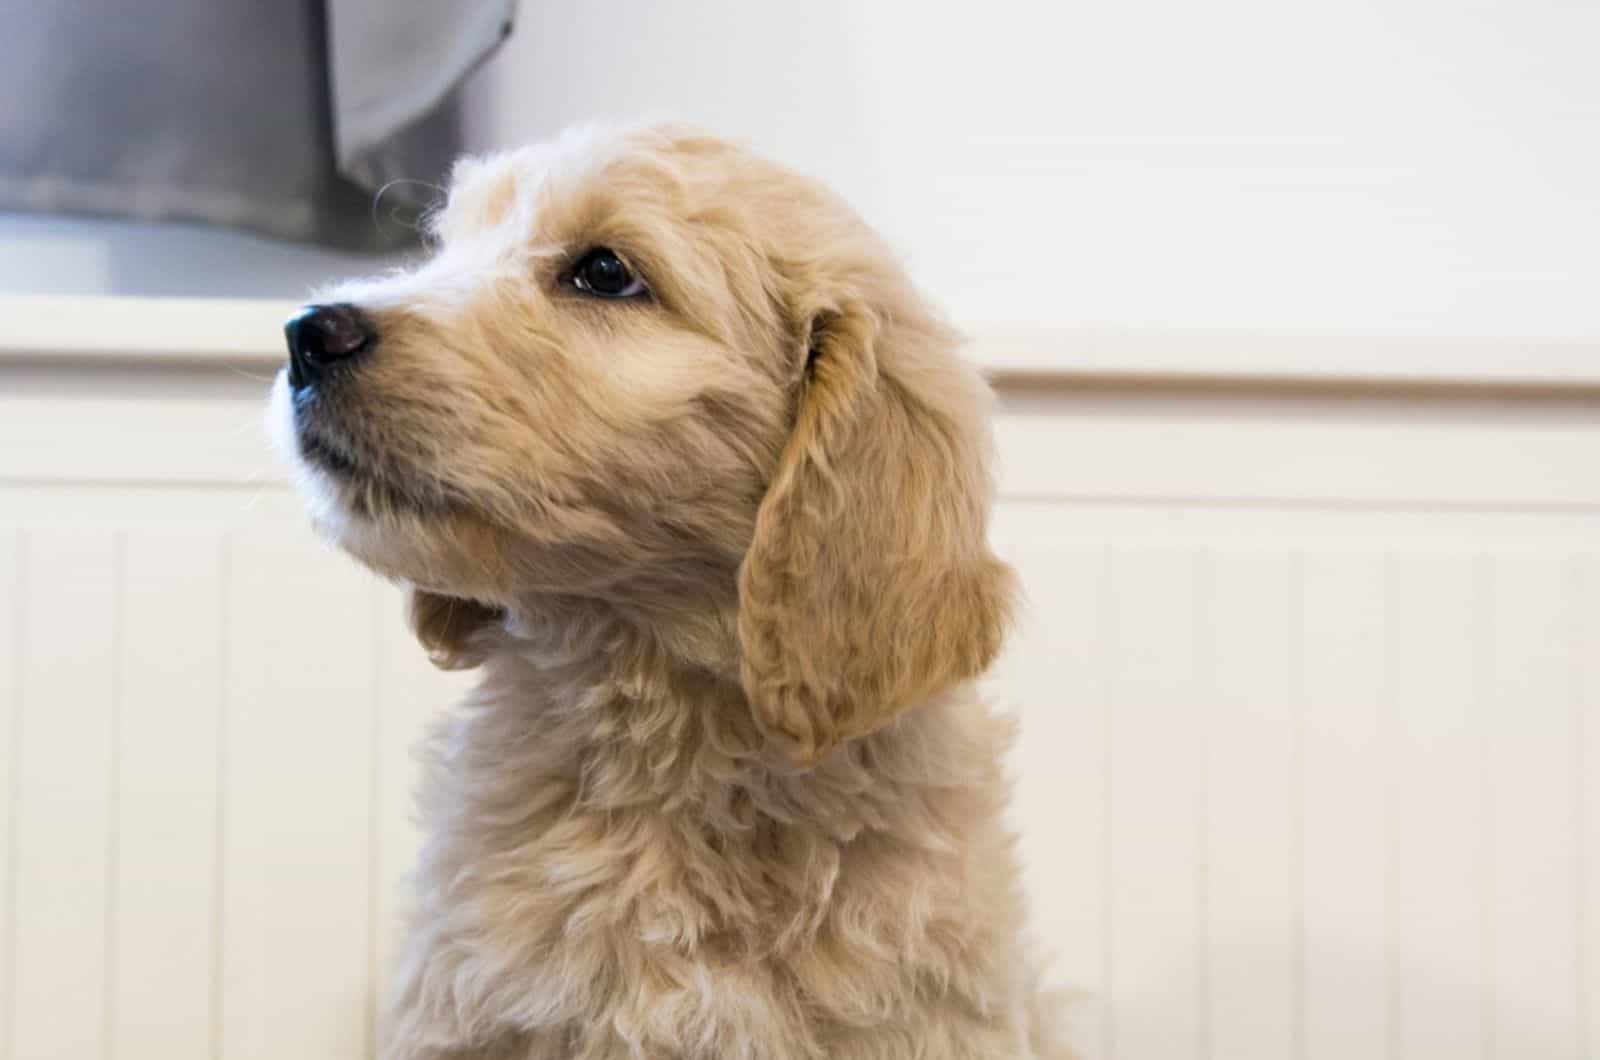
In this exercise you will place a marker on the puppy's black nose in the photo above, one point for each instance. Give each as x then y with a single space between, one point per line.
324 335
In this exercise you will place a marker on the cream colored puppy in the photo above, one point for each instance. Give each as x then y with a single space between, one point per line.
667 445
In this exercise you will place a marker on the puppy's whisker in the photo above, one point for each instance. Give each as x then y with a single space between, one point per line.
415 221
236 370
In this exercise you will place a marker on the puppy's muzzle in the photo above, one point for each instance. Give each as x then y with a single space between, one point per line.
323 337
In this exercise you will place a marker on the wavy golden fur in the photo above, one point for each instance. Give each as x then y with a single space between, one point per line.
725 789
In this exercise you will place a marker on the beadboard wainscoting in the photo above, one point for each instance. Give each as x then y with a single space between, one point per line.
1309 679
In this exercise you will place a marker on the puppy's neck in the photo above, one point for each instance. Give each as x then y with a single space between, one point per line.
620 641
657 693
647 708
640 714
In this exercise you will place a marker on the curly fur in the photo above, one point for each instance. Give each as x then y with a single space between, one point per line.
725 789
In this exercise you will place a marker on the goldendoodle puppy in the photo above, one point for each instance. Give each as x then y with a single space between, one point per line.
666 444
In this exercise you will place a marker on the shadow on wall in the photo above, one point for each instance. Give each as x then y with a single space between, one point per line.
786 79
783 79
62 254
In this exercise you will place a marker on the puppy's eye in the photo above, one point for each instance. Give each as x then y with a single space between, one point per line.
604 275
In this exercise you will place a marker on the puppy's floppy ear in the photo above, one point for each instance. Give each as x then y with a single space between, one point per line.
458 634
869 585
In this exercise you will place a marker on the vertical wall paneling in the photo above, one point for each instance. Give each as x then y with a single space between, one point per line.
1345 828
297 869
66 771
1308 678
1053 677
1156 804
1253 878
1439 774
12 647
164 896
1585 814
1532 900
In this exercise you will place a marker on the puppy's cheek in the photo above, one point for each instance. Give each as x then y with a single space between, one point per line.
456 559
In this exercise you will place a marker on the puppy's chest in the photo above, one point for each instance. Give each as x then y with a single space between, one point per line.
664 895
657 923
685 876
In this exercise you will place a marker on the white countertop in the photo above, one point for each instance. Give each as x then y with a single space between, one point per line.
249 331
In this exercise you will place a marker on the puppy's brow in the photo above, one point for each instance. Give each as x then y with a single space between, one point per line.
482 195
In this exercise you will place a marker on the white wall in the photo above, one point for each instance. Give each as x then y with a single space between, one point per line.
1380 166
1365 165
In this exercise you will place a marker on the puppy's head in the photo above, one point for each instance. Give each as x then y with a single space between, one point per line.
650 371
